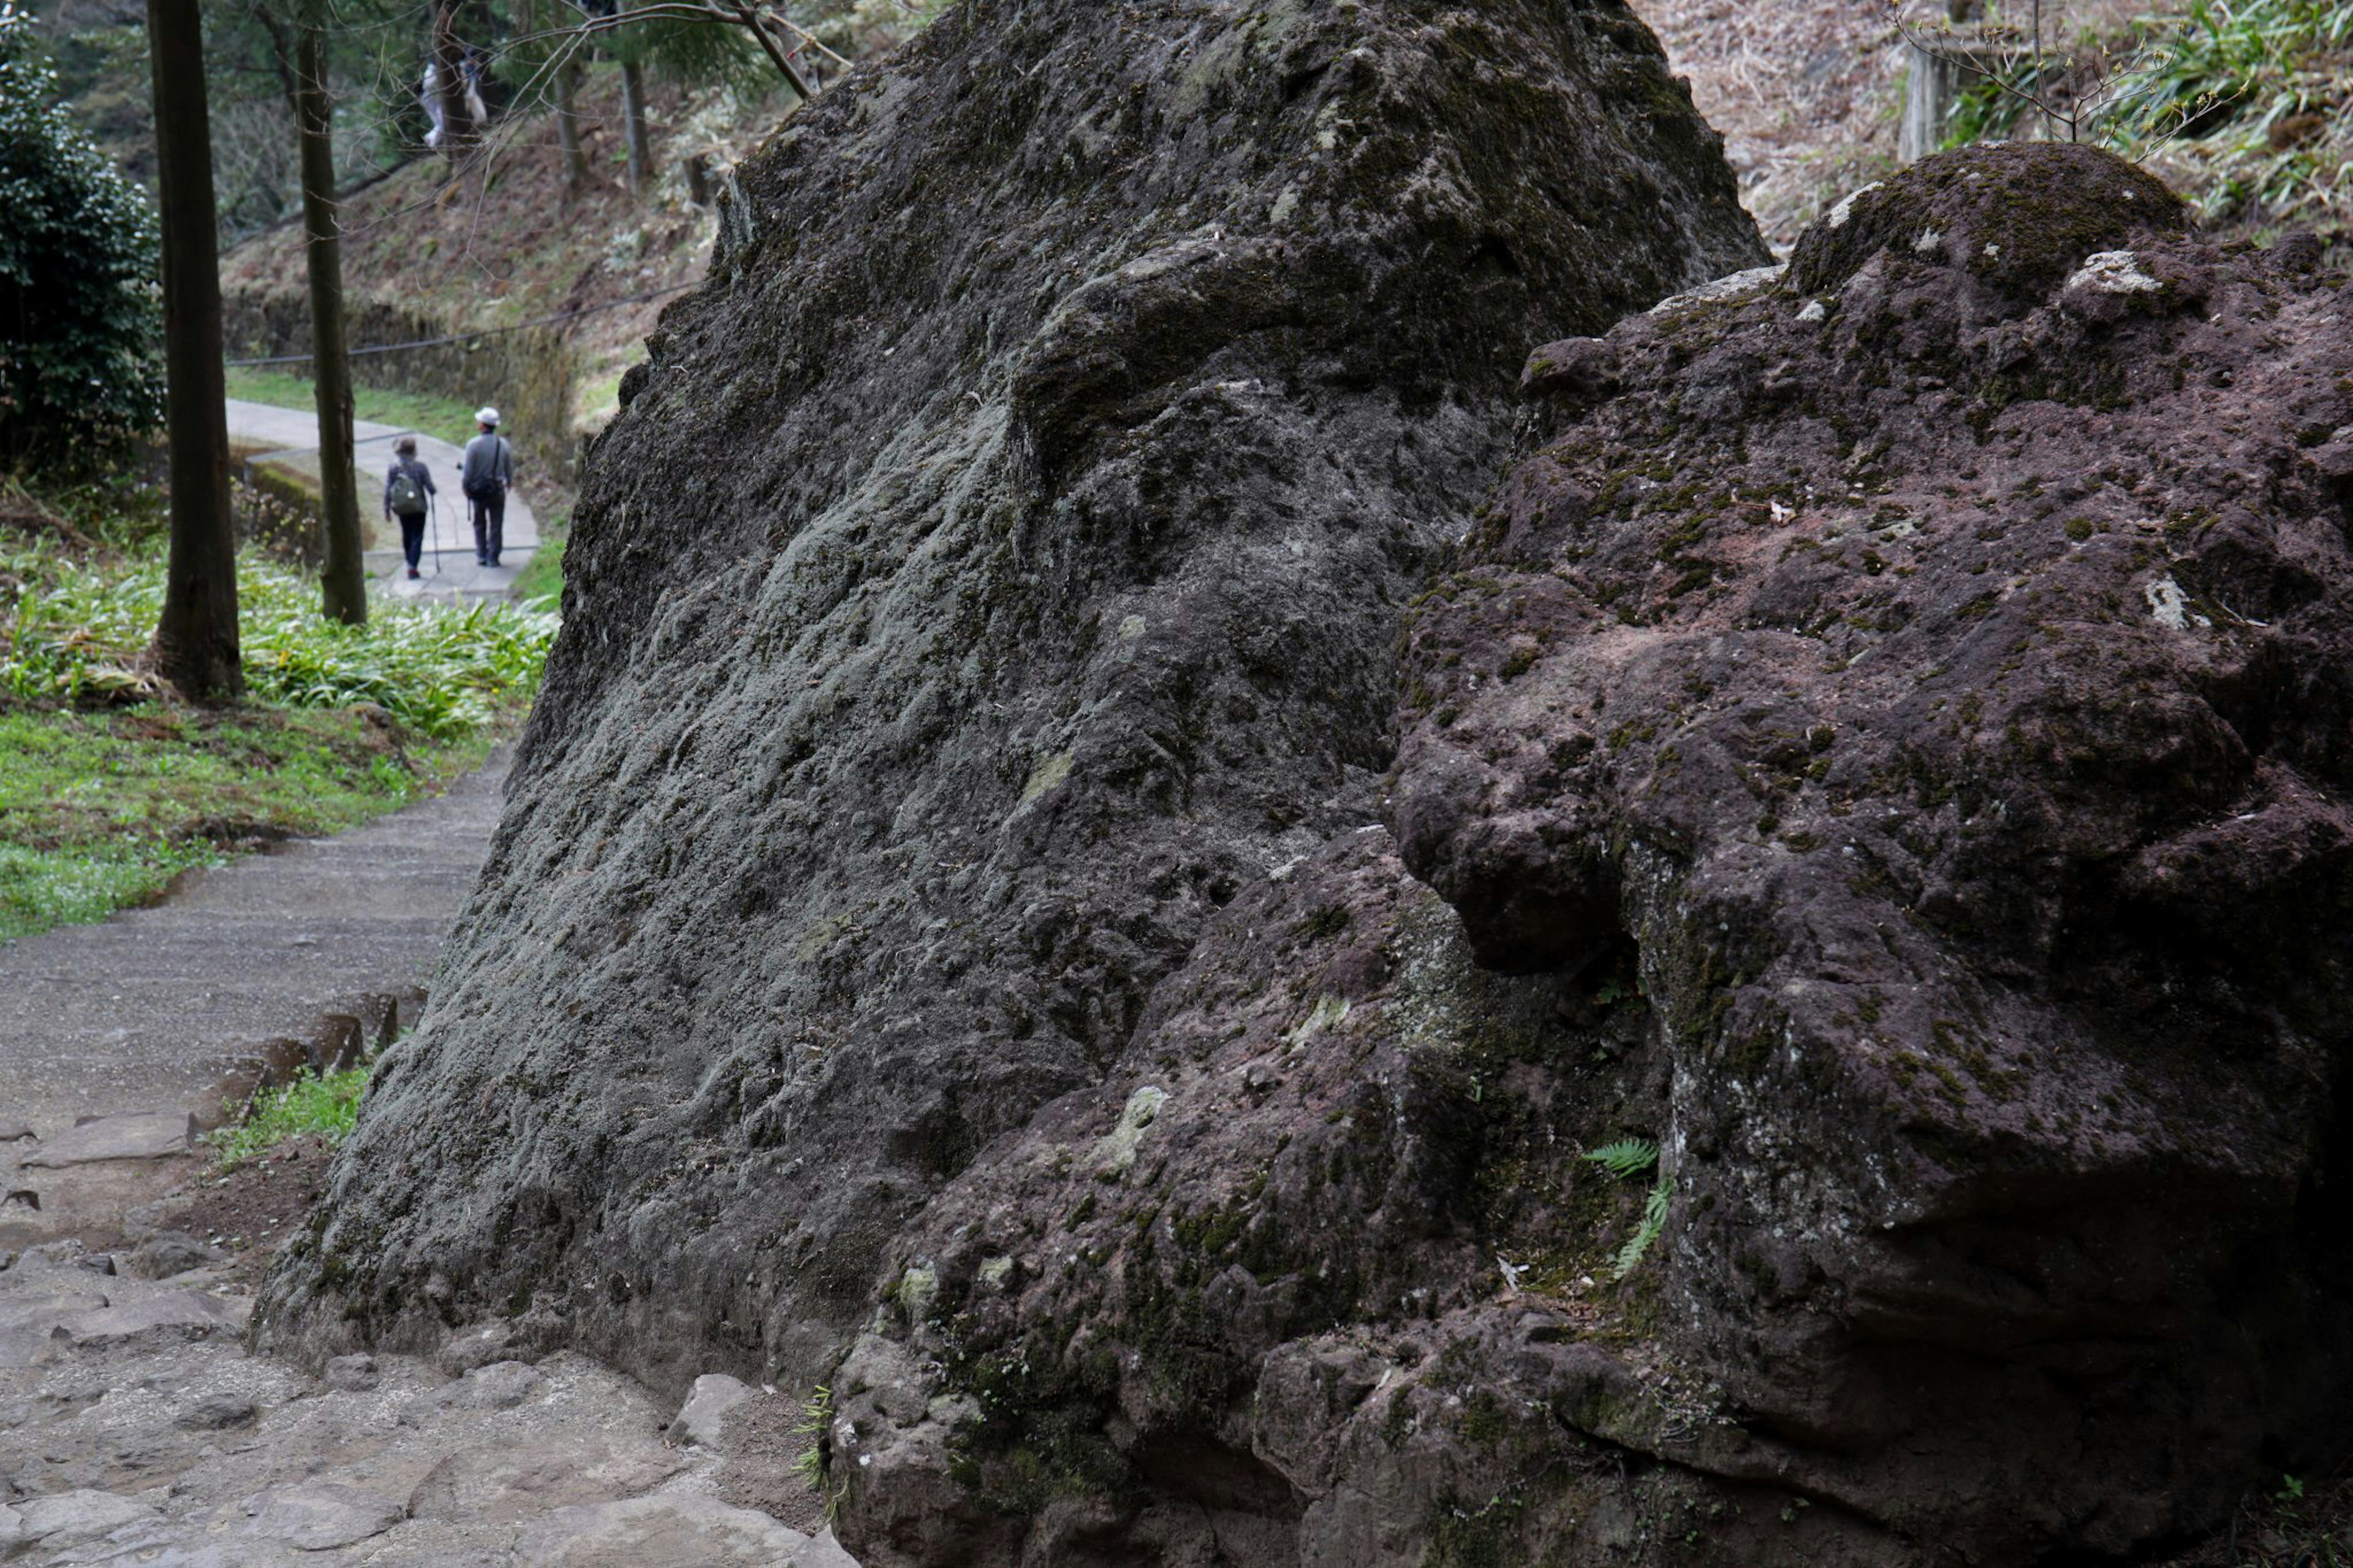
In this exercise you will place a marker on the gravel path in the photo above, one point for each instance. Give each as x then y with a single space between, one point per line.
134 1426
165 1010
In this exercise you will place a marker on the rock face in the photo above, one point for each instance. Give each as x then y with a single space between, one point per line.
993 571
1890 747
1940 669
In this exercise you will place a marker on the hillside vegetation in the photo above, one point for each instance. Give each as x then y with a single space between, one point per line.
110 788
2238 104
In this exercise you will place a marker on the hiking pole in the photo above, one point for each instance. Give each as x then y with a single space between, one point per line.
437 536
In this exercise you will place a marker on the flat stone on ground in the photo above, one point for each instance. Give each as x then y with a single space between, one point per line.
502 1385
135 1135
499 1483
317 1515
670 1529
26 1347
701 1419
187 1310
62 1518
171 1252
353 1373
45 1312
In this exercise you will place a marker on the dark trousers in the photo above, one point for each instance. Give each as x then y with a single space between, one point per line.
412 535
489 525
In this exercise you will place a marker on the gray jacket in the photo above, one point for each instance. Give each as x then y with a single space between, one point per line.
487 458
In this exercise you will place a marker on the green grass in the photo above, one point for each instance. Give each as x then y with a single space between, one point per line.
110 788
307 1106
442 417
100 811
540 584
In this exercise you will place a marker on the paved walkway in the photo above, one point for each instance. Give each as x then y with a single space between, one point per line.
288 438
169 1008
135 1426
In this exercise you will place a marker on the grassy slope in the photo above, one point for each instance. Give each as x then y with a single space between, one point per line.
446 417
100 811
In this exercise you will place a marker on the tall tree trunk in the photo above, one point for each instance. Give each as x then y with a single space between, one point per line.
567 129
633 116
195 639
563 90
458 127
345 592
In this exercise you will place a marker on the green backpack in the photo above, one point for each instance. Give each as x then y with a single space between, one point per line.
407 495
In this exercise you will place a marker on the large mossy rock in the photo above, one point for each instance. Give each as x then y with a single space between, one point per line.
993 572
1891 748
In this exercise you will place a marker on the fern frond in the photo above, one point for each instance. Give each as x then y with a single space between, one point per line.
1654 1222
1627 1157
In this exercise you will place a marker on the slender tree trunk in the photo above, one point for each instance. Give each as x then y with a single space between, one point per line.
458 127
567 129
345 592
633 120
196 639
633 116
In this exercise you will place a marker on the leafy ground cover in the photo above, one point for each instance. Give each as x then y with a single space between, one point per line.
443 416
77 630
2240 105
110 787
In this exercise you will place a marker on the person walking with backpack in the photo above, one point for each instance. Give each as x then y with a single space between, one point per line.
405 486
490 469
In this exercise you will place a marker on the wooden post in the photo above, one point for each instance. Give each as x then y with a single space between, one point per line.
1942 67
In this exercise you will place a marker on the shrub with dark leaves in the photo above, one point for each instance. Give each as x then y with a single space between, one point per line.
80 317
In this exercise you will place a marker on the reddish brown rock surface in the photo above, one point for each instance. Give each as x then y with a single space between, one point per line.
1947 689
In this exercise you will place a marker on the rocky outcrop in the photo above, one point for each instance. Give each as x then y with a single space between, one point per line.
994 572
1941 668
1890 749
1774 993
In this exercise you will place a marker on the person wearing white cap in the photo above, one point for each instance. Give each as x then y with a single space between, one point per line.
490 469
